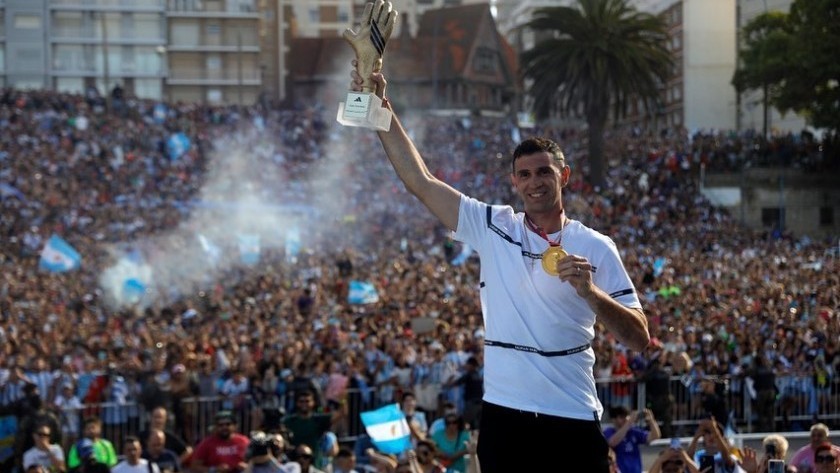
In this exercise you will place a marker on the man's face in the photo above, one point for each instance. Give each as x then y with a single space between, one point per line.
305 404
224 427
818 437
424 455
156 444
93 430
41 436
345 463
619 420
539 181
159 418
132 452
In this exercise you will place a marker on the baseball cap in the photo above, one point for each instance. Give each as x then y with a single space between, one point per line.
224 415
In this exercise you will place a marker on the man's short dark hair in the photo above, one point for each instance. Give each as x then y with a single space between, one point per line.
536 144
619 410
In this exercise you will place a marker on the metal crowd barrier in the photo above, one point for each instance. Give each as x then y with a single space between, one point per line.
798 403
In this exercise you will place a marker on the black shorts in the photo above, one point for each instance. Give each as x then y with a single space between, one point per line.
511 440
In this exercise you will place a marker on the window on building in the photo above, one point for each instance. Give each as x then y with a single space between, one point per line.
148 88
126 61
214 95
69 24
771 216
485 61
148 26
315 14
214 29
26 21
343 14
184 34
214 62
70 85
826 216
70 57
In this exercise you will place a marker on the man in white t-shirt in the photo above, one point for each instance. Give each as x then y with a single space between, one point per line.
545 278
133 463
44 453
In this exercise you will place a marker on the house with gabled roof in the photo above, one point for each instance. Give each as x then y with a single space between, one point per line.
457 63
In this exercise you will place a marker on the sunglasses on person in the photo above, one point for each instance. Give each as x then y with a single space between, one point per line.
42 434
824 459
424 452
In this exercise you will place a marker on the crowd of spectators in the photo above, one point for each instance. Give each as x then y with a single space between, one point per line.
719 296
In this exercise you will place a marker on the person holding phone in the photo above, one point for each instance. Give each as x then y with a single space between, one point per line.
775 451
716 455
674 459
625 437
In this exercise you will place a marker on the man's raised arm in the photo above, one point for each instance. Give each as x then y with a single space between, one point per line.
438 196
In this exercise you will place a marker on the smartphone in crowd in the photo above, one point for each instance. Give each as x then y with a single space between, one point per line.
776 466
707 464
675 443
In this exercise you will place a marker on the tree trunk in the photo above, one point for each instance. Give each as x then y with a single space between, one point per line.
596 119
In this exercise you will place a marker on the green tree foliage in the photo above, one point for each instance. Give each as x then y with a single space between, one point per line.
793 57
596 56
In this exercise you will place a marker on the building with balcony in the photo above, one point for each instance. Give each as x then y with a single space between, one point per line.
213 51
70 45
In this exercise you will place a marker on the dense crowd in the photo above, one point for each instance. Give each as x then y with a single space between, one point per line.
718 295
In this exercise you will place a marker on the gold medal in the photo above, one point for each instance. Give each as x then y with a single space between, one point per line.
551 257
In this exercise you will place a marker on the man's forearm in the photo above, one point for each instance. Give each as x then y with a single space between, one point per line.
403 155
628 325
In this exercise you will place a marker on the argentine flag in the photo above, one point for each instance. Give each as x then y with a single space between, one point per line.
177 145
388 429
249 249
58 256
214 253
292 244
362 292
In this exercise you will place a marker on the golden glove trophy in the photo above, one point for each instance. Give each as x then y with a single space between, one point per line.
364 109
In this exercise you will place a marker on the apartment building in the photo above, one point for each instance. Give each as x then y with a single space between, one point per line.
70 45
191 50
213 51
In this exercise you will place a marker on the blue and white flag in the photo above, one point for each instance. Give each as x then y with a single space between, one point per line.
177 145
659 266
159 113
59 257
292 244
388 429
249 249
362 292
8 190
133 290
212 250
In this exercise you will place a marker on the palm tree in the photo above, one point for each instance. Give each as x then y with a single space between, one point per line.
598 54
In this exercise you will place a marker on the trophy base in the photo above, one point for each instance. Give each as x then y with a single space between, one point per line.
364 109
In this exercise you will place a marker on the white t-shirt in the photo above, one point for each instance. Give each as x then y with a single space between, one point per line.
532 312
33 456
141 467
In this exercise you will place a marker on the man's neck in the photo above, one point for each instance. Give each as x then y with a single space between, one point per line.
550 222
